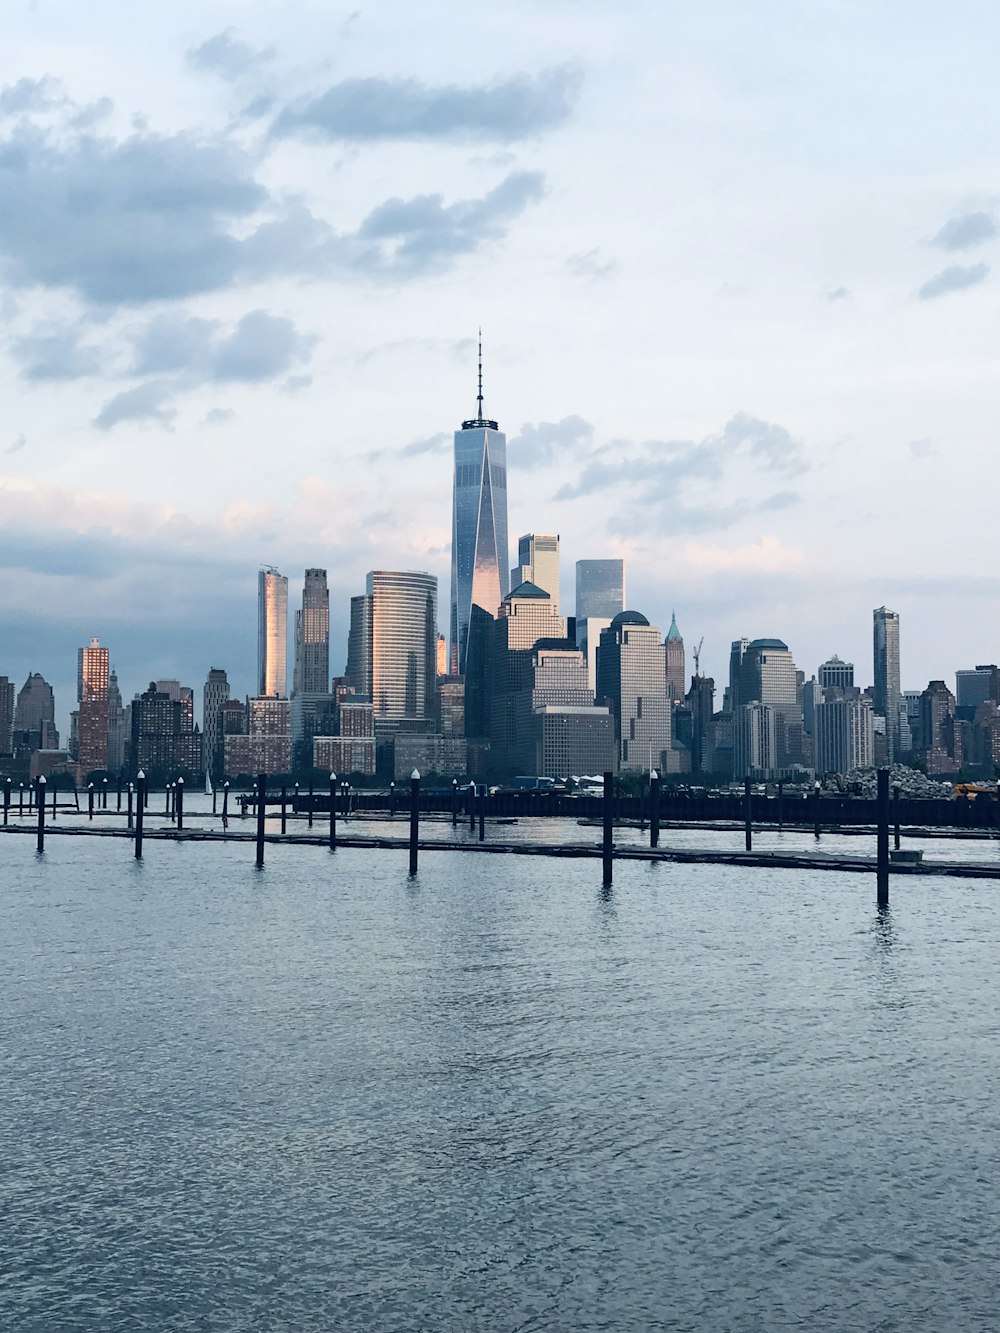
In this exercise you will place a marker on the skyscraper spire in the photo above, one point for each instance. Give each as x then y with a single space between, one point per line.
479 400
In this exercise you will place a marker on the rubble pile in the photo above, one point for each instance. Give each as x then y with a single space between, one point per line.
910 781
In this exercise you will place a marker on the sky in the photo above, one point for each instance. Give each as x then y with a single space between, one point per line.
734 266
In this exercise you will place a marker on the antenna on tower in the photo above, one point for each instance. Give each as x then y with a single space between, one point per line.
696 654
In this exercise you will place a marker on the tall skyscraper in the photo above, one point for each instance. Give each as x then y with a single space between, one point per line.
673 652
845 735
117 735
600 596
836 674
272 633
35 716
527 616
6 716
394 641
632 681
886 661
214 695
600 588
312 637
92 681
479 551
538 563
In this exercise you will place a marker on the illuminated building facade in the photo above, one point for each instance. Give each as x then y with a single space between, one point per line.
272 633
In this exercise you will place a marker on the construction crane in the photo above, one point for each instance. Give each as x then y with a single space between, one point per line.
696 654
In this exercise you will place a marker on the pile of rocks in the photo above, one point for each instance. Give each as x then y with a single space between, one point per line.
910 781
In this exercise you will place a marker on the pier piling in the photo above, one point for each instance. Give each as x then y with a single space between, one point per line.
261 815
6 801
747 816
130 817
654 809
140 810
284 809
333 812
40 844
90 800
454 802
414 818
882 839
607 843
816 799
895 817
179 803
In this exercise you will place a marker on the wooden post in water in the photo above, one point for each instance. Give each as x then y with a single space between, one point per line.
607 844
654 808
214 797
90 799
392 800
6 802
130 822
55 799
261 815
140 810
104 793
20 800
225 806
482 813
882 838
895 812
40 802
747 816
781 806
311 794
816 795
472 807
333 812
414 818
118 807
179 802
284 812
454 802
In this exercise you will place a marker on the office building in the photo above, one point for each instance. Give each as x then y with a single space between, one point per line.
600 589
479 551
345 755
835 674
755 743
118 730
885 639
538 563
977 686
215 693
267 745
632 682
733 700
701 702
451 705
844 735
311 715
92 680
6 716
574 741
162 744
526 615
937 712
312 637
430 754
35 717
272 633
673 651
393 642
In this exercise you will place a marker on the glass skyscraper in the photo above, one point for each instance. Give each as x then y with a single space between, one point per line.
394 643
312 636
478 527
272 633
600 589
885 642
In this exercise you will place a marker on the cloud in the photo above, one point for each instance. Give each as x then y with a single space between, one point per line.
163 217
766 555
148 402
409 237
56 354
540 445
259 348
218 416
965 231
17 446
505 111
226 55
31 95
678 485
954 278
922 448
837 294
429 445
591 264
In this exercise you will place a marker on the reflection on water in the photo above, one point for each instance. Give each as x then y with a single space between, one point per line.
493 1096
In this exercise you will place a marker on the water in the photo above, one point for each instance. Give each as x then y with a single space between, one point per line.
492 1098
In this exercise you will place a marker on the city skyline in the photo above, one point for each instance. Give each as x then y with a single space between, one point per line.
755 444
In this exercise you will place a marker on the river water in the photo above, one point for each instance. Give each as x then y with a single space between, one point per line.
325 1096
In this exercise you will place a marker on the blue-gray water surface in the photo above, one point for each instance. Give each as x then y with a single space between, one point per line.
325 1096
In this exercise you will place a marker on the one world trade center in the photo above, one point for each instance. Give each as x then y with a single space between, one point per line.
478 527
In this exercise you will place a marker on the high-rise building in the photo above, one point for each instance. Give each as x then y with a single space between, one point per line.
767 675
736 651
844 731
886 660
214 694
92 679
701 701
312 637
977 686
632 681
600 589
162 743
755 742
6 716
836 674
35 717
538 563
526 616
394 642
479 550
673 651
117 733
272 633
